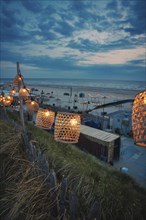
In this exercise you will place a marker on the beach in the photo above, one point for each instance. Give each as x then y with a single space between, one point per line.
80 98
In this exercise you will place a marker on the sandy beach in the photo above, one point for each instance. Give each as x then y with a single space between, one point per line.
84 98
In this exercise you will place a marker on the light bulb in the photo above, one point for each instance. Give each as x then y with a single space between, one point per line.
47 113
73 122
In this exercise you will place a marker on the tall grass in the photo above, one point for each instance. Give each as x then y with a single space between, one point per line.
23 195
117 195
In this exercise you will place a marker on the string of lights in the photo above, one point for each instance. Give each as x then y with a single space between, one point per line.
67 124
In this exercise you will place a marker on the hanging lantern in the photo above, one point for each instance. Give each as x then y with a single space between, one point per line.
32 106
1 98
18 80
139 119
67 127
45 118
12 92
7 100
24 93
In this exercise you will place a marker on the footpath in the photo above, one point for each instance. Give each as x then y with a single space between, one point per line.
132 160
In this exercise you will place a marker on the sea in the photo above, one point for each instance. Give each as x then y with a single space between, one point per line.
87 83
92 83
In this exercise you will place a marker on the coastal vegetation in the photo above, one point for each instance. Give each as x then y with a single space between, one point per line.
97 186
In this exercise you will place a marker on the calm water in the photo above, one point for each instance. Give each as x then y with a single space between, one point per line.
92 83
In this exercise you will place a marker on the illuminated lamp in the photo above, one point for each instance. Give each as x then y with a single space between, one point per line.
18 80
45 118
67 127
1 98
139 119
12 92
32 106
23 93
7 100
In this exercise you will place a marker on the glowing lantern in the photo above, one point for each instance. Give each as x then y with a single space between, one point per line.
12 92
18 80
7 100
24 93
67 127
45 118
32 106
139 119
1 98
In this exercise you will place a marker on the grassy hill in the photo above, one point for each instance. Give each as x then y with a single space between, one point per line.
118 195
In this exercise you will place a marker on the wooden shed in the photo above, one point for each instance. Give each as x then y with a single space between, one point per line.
101 144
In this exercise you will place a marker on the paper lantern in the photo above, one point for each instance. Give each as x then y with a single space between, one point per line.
23 93
45 118
139 119
12 92
67 127
32 106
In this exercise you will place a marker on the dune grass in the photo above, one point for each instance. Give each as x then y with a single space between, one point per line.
118 195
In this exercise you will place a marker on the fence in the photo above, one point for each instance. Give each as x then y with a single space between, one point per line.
63 204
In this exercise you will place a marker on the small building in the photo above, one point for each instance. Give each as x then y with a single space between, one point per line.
102 144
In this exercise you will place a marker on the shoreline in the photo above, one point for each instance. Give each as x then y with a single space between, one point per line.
82 87
103 90
55 96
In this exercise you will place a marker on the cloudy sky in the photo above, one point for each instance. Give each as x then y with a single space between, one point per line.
101 39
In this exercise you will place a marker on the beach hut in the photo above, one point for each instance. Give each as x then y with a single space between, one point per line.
81 95
103 145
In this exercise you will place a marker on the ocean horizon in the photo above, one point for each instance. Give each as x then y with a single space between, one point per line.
91 83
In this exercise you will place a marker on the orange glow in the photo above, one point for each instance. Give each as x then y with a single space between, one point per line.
13 92
138 119
73 122
47 113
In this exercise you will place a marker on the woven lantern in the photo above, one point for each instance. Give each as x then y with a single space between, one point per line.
67 127
12 92
24 93
32 106
7 100
45 118
139 119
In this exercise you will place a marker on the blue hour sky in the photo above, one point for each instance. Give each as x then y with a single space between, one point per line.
101 39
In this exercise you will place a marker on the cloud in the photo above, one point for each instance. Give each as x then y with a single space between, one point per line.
136 16
113 57
74 35
102 38
32 6
64 28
